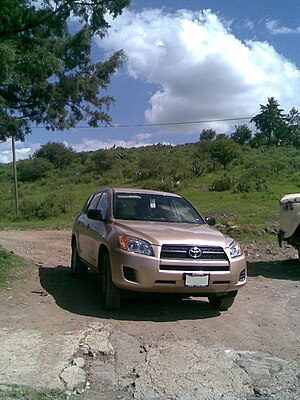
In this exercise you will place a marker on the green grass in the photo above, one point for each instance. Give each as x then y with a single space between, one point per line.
24 393
11 267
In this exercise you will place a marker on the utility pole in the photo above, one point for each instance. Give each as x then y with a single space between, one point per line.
15 176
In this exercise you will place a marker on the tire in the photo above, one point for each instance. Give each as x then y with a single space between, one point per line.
110 294
78 268
222 302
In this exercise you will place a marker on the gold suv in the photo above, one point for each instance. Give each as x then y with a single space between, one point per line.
152 241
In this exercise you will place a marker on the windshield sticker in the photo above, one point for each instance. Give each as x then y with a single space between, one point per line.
152 203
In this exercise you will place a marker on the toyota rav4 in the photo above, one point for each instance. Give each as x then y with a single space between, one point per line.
150 241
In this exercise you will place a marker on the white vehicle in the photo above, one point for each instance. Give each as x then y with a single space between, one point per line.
290 220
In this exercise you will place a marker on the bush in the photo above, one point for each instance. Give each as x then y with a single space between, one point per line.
221 185
58 154
165 185
245 185
242 186
33 169
46 208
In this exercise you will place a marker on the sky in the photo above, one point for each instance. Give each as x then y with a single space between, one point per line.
190 65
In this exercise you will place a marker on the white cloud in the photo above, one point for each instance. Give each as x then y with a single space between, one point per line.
143 136
202 70
275 29
23 151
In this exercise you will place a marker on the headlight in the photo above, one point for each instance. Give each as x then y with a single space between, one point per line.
135 245
235 249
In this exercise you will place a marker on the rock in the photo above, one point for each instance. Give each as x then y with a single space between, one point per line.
98 343
145 348
73 377
79 361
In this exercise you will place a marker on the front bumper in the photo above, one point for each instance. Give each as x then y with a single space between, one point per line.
151 274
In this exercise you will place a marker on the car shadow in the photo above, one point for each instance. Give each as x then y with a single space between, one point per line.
83 297
280 269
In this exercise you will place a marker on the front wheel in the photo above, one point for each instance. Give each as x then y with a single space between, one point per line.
110 294
78 268
222 302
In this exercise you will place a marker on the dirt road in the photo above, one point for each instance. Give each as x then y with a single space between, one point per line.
54 334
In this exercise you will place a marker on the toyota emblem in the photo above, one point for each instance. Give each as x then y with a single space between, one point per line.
195 252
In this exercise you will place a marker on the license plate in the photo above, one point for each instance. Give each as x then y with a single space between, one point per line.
196 280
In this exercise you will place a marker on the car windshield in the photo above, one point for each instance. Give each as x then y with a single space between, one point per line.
153 207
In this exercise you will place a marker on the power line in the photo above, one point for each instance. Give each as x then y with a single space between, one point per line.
160 124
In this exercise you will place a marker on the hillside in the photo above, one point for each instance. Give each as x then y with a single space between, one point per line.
239 185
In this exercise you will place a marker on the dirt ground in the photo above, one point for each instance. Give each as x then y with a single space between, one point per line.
54 334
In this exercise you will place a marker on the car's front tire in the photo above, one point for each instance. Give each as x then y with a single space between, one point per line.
110 294
78 268
222 302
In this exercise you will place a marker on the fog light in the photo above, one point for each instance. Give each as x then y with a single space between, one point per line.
129 274
242 276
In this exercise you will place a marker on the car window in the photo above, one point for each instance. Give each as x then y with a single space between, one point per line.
149 207
103 205
94 202
86 204
186 212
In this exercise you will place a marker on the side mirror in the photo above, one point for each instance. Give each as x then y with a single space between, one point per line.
210 221
95 215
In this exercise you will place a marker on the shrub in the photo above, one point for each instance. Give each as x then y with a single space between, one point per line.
48 207
57 153
221 185
246 185
33 169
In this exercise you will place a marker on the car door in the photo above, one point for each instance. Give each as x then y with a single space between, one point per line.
97 229
83 229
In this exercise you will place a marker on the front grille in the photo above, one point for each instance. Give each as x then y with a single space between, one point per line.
183 252
193 268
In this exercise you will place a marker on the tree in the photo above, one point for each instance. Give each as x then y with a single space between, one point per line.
57 153
33 169
207 134
102 160
242 134
293 122
271 123
47 75
224 151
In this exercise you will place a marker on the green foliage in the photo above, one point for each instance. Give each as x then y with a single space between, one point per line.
224 150
207 134
47 75
271 124
102 161
244 185
198 168
33 169
293 122
46 207
15 392
221 185
242 135
57 154
10 267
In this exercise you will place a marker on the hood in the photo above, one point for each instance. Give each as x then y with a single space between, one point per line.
158 233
